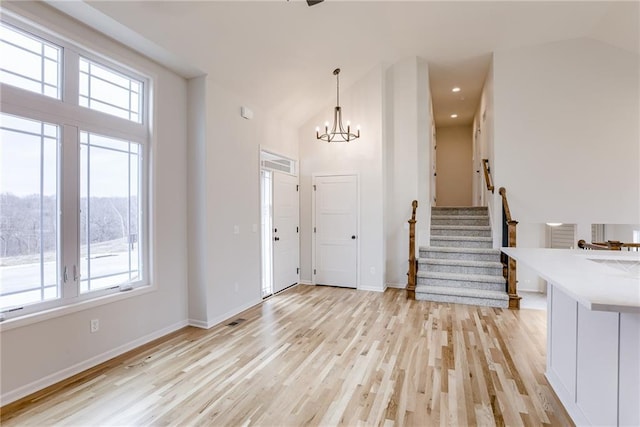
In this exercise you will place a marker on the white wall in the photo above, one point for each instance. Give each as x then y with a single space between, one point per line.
407 152
566 132
483 126
39 354
454 166
232 198
196 200
361 104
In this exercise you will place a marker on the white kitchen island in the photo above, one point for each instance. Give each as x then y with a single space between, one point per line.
593 324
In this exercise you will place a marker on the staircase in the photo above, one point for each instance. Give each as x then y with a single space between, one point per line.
460 265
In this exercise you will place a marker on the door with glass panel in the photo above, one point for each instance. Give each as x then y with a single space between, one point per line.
285 231
280 222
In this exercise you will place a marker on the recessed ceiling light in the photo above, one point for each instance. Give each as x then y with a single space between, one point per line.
453 116
455 89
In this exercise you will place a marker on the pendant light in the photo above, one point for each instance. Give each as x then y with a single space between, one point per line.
337 131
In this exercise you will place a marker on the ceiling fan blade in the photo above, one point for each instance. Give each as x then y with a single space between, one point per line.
312 2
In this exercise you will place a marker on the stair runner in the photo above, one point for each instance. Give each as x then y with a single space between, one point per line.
460 266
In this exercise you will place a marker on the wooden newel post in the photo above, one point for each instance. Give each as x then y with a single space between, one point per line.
411 275
512 284
510 241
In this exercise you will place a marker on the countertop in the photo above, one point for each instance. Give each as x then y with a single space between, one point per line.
599 280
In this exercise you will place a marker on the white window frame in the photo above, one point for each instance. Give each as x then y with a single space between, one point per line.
71 119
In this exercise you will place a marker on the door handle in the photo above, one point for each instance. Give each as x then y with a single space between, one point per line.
353 237
276 238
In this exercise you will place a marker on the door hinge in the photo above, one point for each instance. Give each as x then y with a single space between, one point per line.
298 270
297 229
297 187
314 187
314 271
314 229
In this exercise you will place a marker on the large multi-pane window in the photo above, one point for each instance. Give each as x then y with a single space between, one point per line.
109 188
72 179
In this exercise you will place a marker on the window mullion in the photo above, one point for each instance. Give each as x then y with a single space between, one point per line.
40 232
70 223
71 77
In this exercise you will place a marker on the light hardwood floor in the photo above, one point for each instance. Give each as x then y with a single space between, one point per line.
322 356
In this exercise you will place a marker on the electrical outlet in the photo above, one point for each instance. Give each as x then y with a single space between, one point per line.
95 325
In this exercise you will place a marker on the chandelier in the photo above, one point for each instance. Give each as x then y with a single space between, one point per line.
337 130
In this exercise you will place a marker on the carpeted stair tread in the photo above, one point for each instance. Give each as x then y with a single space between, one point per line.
459 216
459 262
470 292
457 250
465 208
462 227
464 296
461 277
467 238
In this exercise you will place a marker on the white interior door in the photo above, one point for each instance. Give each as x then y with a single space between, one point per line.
286 249
336 230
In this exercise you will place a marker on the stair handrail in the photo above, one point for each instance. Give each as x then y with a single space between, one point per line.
609 245
487 175
509 240
413 263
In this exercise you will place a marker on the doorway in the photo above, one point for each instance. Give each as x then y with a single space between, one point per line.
454 163
335 230
279 203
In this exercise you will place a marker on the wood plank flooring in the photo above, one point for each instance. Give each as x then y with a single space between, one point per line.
321 356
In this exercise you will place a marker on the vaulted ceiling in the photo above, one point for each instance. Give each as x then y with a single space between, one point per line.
280 54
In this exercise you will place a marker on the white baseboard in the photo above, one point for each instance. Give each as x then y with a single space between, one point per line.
533 291
63 374
305 282
219 319
197 323
370 288
397 285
